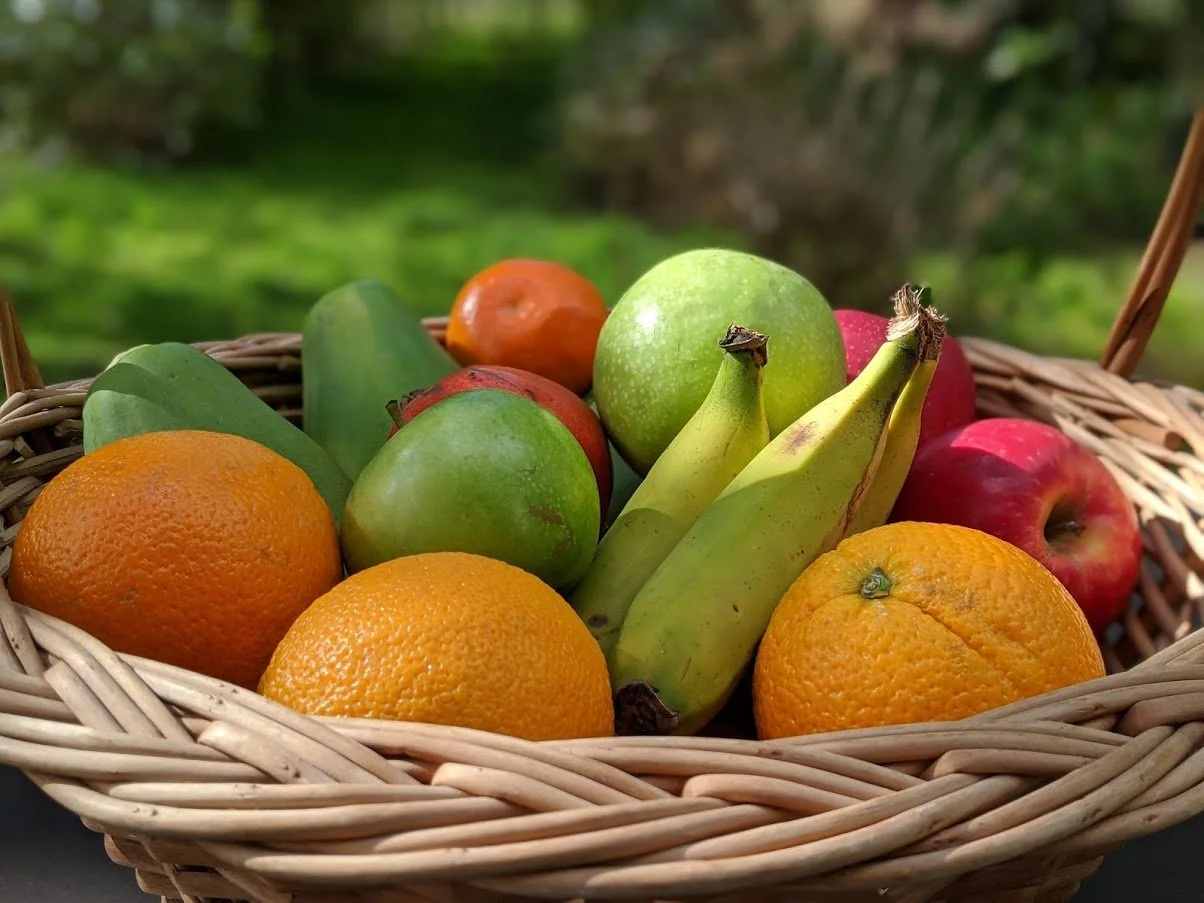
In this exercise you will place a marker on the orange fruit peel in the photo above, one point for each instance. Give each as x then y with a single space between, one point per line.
448 638
536 315
916 622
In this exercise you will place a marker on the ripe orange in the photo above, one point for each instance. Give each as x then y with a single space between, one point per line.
536 315
446 638
193 548
916 622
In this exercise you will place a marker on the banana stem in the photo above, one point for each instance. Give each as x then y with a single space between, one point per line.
914 314
742 340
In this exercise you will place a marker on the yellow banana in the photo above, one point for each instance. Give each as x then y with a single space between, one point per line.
898 447
722 436
691 631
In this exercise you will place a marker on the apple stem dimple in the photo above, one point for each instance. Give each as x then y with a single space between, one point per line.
876 585
1062 524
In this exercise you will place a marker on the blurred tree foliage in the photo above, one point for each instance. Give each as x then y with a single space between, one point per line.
116 79
845 135
307 38
170 80
840 136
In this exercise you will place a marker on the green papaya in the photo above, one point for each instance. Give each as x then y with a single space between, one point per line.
176 386
361 347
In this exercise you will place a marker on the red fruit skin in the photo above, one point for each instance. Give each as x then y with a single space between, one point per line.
950 401
1008 476
568 407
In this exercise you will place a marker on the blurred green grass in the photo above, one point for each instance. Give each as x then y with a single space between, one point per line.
421 178
1065 305
99 260
96 261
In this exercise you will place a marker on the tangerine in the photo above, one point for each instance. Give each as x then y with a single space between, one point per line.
535 315
189 547
450 638
914 622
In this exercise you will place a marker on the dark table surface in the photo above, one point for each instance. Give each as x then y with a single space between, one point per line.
47 856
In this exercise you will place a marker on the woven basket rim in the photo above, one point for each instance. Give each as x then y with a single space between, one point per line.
210 770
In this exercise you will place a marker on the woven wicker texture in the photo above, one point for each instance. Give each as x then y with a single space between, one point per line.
211 792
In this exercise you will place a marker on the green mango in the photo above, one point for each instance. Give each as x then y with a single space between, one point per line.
489 472
362 347
171 386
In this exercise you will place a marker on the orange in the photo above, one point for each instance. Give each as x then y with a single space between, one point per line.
536 315
193 548
914 622
446 638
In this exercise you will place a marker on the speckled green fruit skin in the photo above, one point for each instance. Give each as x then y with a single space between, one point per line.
658 351
485 471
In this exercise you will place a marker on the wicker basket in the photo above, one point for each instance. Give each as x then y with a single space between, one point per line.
211 792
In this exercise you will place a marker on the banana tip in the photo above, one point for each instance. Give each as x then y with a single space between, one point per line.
640 711
914 314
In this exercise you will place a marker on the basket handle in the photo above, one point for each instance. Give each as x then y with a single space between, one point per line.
1134 324
20 370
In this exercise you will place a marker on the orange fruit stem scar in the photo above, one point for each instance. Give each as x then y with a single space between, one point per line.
876 585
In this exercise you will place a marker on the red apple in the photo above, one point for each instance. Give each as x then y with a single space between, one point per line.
1031 485
950 399
570 408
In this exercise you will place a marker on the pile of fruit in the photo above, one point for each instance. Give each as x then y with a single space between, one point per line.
715 506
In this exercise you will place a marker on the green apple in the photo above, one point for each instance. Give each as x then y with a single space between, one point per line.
658 351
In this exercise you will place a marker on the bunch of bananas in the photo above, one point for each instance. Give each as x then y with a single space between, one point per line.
684 582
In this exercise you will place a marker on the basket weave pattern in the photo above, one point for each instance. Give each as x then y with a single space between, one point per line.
212 793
